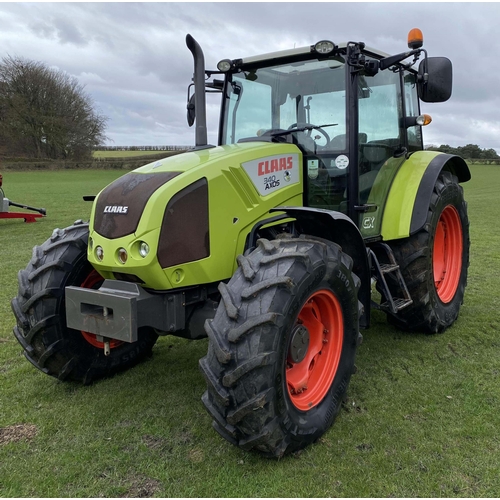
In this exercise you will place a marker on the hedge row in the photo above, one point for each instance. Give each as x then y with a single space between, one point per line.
129 163
481 161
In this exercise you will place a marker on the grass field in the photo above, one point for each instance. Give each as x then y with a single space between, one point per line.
421 417
127 154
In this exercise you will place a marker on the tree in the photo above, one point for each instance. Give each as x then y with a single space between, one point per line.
469 151
45 113
489 154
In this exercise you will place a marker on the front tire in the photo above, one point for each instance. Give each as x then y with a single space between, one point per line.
434 262
41 316
282 345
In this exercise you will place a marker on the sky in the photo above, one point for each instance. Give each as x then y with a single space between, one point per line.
134 63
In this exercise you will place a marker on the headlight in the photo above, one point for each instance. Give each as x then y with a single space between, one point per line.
143 249
99 253
122 255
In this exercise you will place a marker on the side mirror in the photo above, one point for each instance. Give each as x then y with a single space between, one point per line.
191 111
435 79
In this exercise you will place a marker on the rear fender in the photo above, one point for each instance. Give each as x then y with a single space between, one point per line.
340 229
409 198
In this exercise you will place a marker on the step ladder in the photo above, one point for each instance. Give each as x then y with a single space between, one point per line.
389 266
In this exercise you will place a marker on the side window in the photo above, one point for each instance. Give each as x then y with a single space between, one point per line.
380 112
380 108
249 110
412 109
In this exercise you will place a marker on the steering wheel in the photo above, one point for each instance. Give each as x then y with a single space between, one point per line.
309 132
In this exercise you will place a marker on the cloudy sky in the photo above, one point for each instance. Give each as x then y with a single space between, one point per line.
132 57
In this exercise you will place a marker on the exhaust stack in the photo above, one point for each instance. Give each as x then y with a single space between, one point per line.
199 88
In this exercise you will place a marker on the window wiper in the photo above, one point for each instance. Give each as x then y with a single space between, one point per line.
303 128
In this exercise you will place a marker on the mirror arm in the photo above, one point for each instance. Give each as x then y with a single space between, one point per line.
389 61
422 79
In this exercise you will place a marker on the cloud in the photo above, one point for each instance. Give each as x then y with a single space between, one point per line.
133 60
69 33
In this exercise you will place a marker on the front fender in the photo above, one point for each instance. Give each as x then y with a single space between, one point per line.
340 229
409 198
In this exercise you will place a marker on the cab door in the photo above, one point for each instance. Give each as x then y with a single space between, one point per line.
383 144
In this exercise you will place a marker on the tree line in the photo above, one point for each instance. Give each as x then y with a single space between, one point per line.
45 113
144 148
470 151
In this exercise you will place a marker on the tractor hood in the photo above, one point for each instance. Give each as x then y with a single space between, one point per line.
175 212
120 206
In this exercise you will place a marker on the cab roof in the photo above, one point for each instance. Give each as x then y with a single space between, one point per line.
281 54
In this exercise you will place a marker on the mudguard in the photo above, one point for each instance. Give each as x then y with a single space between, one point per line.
340 229
408 201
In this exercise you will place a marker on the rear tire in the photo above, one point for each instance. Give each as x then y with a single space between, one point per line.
41 316
434 262
282 345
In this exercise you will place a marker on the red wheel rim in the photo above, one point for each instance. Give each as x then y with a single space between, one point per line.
310 378
447 254
93 280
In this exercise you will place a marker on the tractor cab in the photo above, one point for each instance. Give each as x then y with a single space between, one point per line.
350 110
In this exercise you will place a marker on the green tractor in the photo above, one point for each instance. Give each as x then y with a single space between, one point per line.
269 243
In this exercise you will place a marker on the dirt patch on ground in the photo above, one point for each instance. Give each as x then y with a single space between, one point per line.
15 433
142 487
196 455
157 443
167 445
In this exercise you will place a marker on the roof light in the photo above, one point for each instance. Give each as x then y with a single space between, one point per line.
415 39
224 65
324 47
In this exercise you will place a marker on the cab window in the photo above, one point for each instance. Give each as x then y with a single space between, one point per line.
414 133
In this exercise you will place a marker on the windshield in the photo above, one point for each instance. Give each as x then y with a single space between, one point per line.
308 95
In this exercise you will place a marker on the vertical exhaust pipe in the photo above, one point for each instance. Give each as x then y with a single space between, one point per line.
199 88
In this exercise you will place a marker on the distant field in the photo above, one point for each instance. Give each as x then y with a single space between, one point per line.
421 419
129 154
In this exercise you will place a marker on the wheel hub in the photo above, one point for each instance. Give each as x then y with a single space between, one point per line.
299 344
447 254
315 350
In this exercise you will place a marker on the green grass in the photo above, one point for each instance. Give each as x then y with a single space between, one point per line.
421 418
